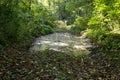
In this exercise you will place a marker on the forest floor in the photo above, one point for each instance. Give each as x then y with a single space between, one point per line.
52 65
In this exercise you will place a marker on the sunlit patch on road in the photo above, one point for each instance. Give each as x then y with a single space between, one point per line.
62 42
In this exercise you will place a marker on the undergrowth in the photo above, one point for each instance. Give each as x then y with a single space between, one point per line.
104 39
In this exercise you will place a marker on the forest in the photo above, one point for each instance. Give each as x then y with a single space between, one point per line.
59 39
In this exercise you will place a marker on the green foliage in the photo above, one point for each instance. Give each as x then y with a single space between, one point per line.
71 19
98 37
75 30
103 22
48 29
104 13
104 39
22 20
94 21
80 24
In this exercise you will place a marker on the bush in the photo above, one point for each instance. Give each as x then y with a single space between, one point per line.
80 24
71 20
104 38
47 29
75 30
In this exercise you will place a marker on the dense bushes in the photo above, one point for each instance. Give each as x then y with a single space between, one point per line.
105 39
80 24
22 20
103 23
100 19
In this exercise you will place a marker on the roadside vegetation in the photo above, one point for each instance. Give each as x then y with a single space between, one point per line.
21 21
